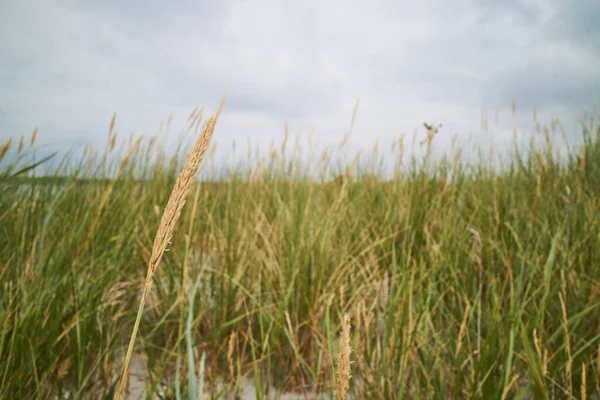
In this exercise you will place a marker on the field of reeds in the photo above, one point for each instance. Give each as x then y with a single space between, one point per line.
460 280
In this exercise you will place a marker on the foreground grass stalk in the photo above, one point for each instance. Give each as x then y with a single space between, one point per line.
167 224
343 378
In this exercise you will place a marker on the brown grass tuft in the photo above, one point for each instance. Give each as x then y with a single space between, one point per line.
167 224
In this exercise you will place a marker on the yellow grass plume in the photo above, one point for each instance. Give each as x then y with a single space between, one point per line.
167 224
4 148
343 378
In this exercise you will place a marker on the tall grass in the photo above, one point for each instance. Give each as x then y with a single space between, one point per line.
461 280
165 229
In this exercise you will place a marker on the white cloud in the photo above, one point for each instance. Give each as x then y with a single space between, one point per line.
69 65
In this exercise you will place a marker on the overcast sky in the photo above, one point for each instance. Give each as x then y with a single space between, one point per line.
68 65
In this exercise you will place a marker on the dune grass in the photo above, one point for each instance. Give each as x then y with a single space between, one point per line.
485 285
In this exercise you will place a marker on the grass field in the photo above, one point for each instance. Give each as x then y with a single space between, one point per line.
461 280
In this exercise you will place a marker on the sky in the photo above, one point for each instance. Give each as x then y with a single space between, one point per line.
67 66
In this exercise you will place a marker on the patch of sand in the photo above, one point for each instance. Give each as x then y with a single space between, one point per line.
138 378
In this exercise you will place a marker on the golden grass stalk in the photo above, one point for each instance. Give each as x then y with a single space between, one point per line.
128 155
4 148
33 136
112 142
167 224
111 126
343 378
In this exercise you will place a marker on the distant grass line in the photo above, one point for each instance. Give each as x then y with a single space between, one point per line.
485 285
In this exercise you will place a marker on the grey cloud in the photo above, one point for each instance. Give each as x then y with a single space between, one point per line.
139 17
545 85
577 24
510 11
69 65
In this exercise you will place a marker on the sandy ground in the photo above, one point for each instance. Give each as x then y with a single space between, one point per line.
138 376
137 387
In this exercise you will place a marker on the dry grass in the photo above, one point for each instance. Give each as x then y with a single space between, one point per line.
4 148
167 224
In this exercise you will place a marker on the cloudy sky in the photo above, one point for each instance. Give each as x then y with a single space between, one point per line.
68 65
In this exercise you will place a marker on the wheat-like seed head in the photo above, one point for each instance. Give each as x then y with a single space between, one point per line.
4 148
167 224
343 381
230 348
33 136
180 191
111 127
129 154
